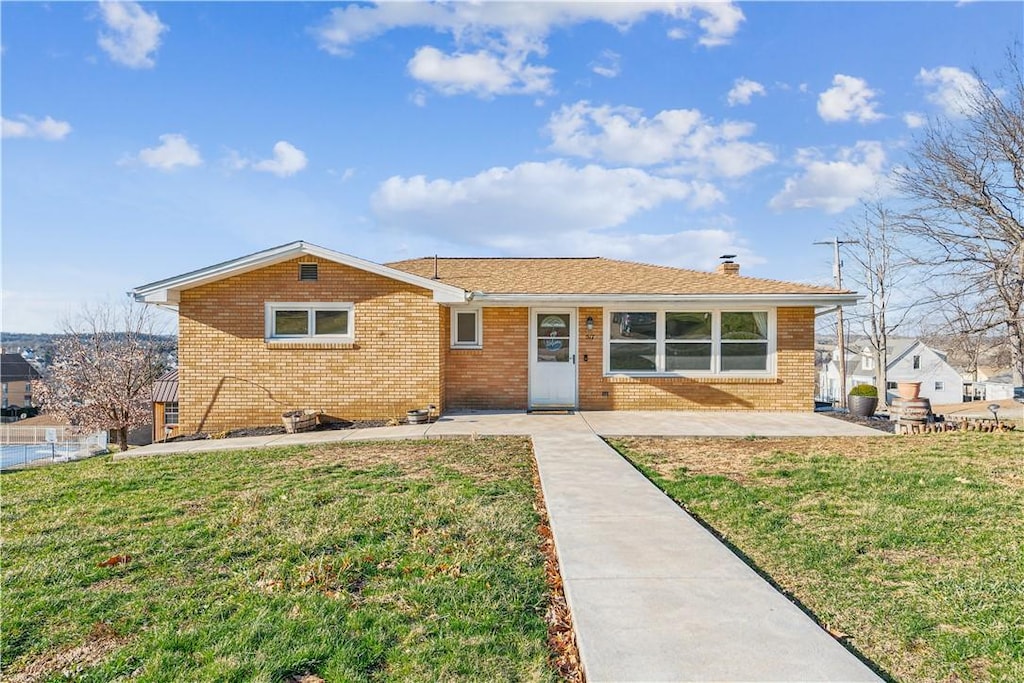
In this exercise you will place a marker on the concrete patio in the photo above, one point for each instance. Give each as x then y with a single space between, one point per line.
602 423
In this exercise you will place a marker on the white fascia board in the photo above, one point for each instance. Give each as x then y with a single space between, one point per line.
151 293
816 300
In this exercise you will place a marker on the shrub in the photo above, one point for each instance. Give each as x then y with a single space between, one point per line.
864 390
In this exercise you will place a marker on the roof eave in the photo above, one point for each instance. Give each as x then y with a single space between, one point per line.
167 291
805 299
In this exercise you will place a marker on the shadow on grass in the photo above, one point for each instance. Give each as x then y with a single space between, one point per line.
760 572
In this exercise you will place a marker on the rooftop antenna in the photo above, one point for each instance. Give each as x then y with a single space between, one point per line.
436 275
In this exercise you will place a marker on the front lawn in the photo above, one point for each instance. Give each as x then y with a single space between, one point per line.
346 562
909 548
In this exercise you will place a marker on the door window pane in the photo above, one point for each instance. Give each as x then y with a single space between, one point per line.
688 356
552 350
688 326
745 325
291 322
633 357
553 325
634 326
744 356
332 322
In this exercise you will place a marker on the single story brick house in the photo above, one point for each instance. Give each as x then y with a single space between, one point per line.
301 326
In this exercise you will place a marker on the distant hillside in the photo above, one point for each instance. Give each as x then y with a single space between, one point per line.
42 344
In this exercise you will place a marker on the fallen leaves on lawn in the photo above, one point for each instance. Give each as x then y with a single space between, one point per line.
115 560
565 654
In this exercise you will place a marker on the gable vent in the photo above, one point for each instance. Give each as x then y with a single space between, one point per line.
307 271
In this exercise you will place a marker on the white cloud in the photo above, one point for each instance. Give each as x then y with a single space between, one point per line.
849 98
419 98
173 151
27 127
496 41
950 88
676 33
834 185
677 136
608 64
697 249
914 119
483 73
513 208
133 35
287 161
742 90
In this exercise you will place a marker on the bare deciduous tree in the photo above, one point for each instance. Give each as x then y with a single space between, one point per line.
966 178
880 267
103 369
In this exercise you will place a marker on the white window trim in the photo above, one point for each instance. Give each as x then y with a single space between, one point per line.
271 306
455 343
716 342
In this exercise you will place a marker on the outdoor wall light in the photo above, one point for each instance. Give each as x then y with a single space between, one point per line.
590 323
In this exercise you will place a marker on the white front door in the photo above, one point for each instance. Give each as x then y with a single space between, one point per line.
552 358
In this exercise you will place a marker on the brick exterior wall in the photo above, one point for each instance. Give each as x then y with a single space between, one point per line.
495 377
791 389
229 376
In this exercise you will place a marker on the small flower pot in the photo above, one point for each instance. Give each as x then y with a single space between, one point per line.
908 390
862 406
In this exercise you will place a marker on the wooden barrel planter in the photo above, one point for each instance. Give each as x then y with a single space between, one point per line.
912 409
417 417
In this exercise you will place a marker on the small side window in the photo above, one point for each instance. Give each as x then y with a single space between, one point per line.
466 329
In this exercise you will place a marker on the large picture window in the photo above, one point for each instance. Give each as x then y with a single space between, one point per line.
684 342
330 322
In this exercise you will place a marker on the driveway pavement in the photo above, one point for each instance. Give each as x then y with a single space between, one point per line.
654 596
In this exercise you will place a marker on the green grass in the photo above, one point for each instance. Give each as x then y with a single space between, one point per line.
398 561
911 549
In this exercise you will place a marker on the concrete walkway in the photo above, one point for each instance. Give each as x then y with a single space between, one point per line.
654 596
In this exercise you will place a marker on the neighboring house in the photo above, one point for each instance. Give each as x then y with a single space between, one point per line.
991 384
165 406
300 326
910 360
16 377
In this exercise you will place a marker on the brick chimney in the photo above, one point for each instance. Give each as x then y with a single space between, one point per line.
728 266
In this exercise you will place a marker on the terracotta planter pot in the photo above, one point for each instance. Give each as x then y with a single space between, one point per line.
908 390
862 406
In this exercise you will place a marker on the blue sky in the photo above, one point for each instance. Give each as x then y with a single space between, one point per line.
141 141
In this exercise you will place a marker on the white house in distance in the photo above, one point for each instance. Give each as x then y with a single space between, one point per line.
910 360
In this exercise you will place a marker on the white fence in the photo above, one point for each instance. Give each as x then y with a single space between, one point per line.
23 445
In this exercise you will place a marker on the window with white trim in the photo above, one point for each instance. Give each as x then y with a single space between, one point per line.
325 322
869 363
690 342
171 413
467 329
940 386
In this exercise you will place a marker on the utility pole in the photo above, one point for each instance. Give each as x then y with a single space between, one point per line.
837 272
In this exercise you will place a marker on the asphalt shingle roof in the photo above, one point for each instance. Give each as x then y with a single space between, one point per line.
595 275
14 368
